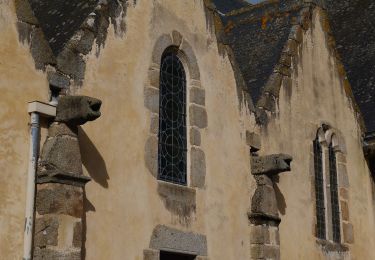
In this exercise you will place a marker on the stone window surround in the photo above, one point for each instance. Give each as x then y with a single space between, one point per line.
196 112
326 136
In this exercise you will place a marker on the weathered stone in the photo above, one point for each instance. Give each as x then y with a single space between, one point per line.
253 140
267 102
192 60
161 44
291 47
46 231
25 31
176 38
48 254
259 234
82 41
195 136
151 254
343 176
344 210
24 12
271 252
198 116
154 125
264 203
151 99
274 235
263 180
179 241
154 77
198 96
77 235
296 33
151 155
273 84
201 258
348 233
257 251
72 64
55 198
77 110
285 60
344 193
61 129
271 164
198 168
58 79
40 50
60 155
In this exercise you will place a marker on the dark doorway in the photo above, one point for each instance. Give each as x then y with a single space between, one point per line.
175 256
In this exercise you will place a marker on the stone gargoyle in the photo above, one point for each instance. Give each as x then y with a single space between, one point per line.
60 160
264 168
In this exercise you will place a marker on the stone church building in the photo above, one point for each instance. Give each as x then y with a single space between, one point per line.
187 129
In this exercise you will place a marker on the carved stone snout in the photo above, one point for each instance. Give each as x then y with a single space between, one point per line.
270 164
77 110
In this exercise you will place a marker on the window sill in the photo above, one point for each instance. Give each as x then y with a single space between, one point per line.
331 246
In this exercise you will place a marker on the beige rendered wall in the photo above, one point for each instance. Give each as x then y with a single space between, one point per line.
317 96
125 204
19 84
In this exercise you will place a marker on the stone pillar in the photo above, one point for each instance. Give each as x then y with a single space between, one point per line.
60 183
263 215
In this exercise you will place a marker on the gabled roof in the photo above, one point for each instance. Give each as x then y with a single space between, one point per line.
258 36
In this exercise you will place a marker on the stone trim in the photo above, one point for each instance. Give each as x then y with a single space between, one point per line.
196 100
327 135
170 239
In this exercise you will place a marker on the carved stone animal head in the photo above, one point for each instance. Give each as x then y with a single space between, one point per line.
77 110
271 164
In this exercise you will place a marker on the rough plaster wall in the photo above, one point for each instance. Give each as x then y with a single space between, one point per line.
19 83
125 205
317 96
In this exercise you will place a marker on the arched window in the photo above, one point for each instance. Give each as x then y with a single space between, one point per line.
319 190
334 194
172 119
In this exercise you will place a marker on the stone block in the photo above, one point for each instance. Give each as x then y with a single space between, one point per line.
46 231
154 77
151 254
82 41
198 96
270 164
45 253
253 140
192 60
57 79
154 124
161 44
77 234
176 38
271 252
54 198
344 193
291 47
257 251
179 241
61 129
296 33
72 63
40 50
151 155
274 235
25 31
348 233
343 176
198 116
267 102
151 99
259 234
24 12
195 136
273 84
344 210
198 168
264 202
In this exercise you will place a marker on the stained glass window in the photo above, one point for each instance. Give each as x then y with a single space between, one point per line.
334 195
319 190
172 120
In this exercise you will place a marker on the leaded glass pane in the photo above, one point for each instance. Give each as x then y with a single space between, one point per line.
319 190
172 120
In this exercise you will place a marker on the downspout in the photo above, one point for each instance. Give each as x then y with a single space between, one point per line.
30 195
36 110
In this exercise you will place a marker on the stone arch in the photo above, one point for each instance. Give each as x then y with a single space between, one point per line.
195 106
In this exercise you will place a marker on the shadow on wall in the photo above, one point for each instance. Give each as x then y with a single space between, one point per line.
281 204
93 160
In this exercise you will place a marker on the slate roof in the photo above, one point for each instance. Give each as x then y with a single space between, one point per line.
258 33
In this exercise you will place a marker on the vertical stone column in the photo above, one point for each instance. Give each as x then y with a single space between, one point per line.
60 183
263 215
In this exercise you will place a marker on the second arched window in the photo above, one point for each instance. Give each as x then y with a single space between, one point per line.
172 120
